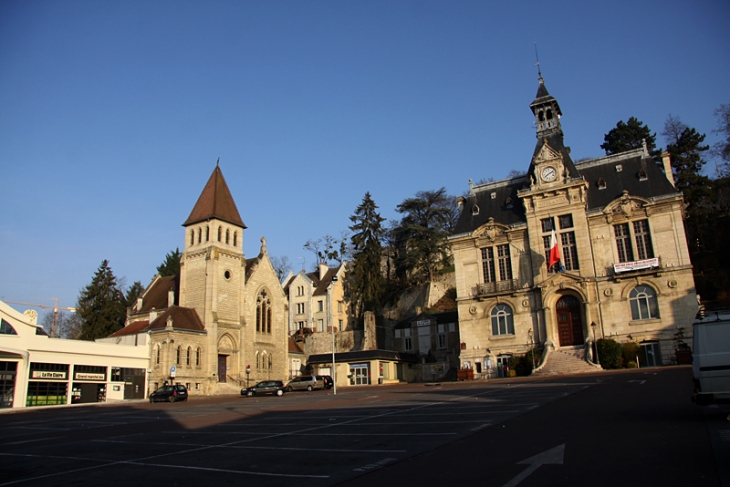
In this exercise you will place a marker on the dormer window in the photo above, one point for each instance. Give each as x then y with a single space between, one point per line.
493 196
508 203
475 210
601 184
619 168
642 175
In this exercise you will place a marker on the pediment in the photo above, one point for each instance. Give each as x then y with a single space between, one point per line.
546 154
626 206
491 230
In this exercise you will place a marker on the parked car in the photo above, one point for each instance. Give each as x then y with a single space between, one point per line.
711 358
304 383
264 387
170 393
326 380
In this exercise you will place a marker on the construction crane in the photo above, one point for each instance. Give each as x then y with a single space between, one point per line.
56 309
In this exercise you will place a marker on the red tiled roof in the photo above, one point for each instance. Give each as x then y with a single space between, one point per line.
131 329
182 319
294 346
215 202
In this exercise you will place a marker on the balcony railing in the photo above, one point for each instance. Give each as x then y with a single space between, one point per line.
496 287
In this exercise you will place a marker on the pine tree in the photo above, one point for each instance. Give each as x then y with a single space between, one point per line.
366 279
631 135
101 305
684 145
421 242
134 292
171 265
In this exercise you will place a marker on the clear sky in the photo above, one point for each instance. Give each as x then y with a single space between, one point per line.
113 114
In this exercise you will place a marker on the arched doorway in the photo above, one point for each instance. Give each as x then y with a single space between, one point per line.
570 324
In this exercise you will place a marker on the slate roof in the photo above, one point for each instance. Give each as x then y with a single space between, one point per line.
215 202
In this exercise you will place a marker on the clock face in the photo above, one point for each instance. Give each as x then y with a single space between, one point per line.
549 173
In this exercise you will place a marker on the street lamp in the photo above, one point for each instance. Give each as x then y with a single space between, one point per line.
595 343
332 329
532 348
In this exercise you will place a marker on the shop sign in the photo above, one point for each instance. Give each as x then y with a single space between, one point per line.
89 376
44 374
423 323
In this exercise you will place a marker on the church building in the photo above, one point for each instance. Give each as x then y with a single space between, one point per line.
572 251
222 322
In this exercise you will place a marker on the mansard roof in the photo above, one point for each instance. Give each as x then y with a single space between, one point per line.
215 202
633 171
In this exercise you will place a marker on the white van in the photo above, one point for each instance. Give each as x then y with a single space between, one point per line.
711 358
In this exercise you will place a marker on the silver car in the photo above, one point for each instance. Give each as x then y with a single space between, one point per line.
304 383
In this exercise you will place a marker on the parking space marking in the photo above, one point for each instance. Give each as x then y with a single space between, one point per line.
247 447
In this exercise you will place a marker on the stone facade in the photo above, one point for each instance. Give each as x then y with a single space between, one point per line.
624 263
223 321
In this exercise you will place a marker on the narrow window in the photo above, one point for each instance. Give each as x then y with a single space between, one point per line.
197 357
187 357
157 359
177 356
235 239
623 242
220 233
488 264
207 233
643 240
569 251
505 263
192 237
200 235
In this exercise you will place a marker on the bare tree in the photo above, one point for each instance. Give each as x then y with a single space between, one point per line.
282 266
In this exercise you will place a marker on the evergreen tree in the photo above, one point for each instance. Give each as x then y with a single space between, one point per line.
631 135
134 292
684 145
101 305
422 248
365 282
171 265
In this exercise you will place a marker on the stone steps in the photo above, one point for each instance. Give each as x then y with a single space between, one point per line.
567 360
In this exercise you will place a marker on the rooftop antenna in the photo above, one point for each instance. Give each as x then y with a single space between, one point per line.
537 63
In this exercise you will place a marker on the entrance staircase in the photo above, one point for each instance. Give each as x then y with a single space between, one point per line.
566 360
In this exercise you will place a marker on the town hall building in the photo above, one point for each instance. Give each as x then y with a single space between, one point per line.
623 272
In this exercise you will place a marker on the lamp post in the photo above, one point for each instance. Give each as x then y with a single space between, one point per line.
595 343
332 329
532 348
248 375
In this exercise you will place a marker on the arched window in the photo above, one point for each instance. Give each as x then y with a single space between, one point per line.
263 313
228 236
197 356
644 305
157 355
200 235
177 356
257 361
502 322
235 239
192 237
220 232
187 357
207 233
269 363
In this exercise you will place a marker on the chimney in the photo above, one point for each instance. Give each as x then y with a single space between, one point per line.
170 298
139 304
153 315
323 268
668 167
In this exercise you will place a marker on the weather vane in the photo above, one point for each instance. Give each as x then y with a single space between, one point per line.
537 63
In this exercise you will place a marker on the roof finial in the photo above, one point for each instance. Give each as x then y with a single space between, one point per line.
217 162
537 63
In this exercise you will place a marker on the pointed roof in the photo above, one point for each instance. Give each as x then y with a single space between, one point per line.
215 202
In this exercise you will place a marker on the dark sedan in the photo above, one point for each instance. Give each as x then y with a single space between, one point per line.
170 393
265 387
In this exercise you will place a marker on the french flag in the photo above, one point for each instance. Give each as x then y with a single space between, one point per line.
554 251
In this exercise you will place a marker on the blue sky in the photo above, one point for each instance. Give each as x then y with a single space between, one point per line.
113 114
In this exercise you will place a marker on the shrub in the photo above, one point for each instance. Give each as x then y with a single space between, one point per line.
522 364
629 352
609 353
631 365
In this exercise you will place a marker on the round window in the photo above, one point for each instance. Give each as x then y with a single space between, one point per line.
227 274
